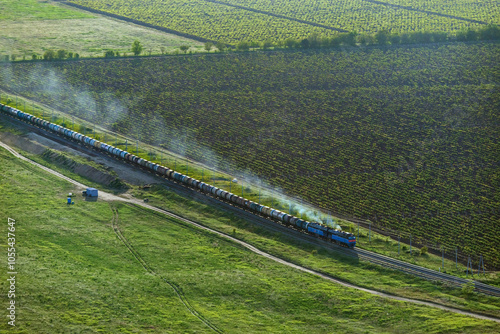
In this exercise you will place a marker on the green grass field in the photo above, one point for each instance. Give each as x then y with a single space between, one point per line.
330 262
31 27
34 10
75 275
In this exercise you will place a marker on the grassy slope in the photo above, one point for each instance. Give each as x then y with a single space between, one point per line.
31 27
75 275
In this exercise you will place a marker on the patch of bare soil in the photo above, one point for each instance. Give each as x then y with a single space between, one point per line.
116 171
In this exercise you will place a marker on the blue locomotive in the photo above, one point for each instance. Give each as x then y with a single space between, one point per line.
316 229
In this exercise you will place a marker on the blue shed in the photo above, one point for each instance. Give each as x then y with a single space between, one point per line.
91 192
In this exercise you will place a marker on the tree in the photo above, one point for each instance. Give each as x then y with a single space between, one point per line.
136 48
267 44
61 54
209 46
243 46
314 41
220 46
290 43
439 36
405 38
184 48
491 31
13 57
365 39
162 49
349 38
395 39
424 250
70 54
304 43
49 55
109 53
472 35
34 57
382 37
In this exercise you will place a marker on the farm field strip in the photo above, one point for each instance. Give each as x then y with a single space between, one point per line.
425 11
135 202
486 11
211 21
232 21
360 16
276 15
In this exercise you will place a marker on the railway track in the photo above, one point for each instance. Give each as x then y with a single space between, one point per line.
359 253
252 248
423 272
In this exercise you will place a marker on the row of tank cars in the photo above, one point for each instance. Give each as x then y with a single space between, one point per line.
317 229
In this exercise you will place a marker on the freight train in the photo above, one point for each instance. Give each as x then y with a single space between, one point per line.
317 229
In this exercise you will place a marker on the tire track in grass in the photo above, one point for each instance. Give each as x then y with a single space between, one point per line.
148 268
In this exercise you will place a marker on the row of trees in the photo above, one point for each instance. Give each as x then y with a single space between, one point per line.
59 54
314 41
383 37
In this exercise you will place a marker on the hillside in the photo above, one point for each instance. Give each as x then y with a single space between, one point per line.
406 137
94 266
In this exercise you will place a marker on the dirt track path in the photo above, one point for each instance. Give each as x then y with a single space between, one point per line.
110 197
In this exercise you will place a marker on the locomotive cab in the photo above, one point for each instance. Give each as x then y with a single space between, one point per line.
352 241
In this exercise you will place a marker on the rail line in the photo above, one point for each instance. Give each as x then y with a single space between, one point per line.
280 227
252 248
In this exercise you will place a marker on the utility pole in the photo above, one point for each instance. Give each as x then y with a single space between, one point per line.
399 243
370 233
442 262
